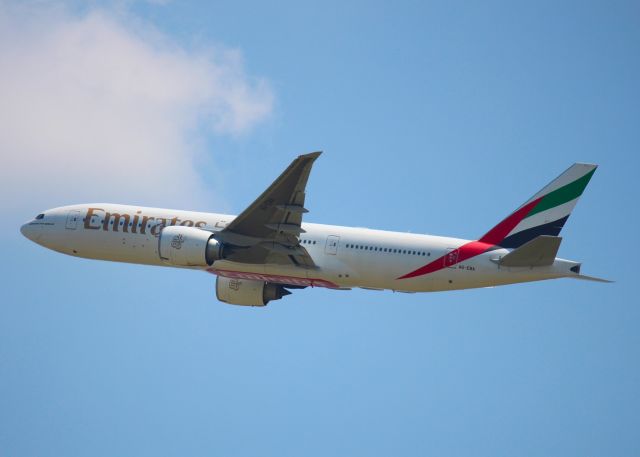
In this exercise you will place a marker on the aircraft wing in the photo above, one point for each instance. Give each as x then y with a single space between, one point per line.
268 230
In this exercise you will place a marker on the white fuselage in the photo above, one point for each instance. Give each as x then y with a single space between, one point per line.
345 257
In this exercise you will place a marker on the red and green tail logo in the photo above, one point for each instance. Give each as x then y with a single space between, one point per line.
543 214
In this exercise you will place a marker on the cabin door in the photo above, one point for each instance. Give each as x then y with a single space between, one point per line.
331 247
72 219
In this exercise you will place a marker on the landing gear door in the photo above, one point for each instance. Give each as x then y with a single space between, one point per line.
331 247
72 219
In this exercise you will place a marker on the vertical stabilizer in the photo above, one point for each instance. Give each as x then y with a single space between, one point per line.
546 212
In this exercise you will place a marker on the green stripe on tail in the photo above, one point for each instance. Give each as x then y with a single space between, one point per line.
563 195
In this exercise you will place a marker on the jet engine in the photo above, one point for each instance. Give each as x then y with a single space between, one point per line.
188 246
248 292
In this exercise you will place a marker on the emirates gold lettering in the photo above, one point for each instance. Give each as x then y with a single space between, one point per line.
116 221
98 218
145 220
88 220
134 226
155 230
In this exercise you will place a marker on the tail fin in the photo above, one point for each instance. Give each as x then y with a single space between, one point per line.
546 212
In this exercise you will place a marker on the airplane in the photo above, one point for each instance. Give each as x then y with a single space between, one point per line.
267 251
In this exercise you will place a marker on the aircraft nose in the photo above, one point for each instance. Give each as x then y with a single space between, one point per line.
28 231
25 230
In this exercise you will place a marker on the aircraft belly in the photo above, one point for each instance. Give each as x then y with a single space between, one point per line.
117 247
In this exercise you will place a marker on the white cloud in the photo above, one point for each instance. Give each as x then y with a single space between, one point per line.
103 107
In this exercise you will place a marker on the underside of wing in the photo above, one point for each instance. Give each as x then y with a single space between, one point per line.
269 230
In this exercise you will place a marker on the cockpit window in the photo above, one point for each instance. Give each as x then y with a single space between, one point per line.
40 216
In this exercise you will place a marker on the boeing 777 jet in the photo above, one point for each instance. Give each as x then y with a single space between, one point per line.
267 251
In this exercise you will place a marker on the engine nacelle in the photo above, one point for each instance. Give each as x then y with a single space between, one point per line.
188 246
248 292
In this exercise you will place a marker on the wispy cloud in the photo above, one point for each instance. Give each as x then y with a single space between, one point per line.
104 107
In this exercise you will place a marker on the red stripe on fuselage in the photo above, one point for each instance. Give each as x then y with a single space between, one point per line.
464 252
500 231
492 238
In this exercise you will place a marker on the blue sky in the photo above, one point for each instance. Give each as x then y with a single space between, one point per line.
435 117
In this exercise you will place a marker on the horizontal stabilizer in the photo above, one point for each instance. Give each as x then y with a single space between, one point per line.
590 278
539 252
